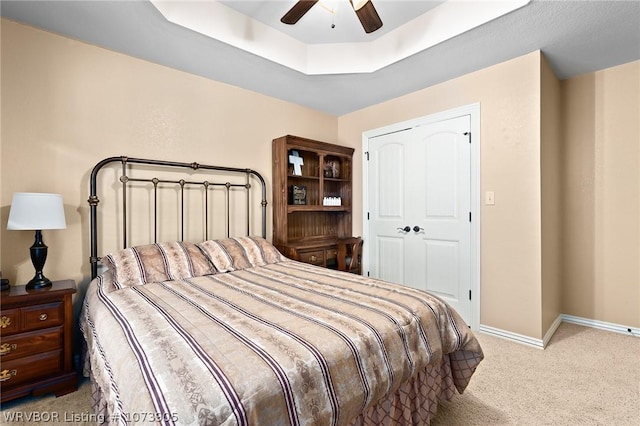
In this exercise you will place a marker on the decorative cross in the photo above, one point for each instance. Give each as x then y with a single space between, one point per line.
297 162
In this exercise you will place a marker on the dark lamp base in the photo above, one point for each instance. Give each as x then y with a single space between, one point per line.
38 282
38 257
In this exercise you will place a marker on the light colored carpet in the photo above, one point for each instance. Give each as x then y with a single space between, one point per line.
584 377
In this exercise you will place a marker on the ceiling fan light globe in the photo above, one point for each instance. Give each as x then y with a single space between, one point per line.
358 4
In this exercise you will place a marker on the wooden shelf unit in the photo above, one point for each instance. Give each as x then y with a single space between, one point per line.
308 232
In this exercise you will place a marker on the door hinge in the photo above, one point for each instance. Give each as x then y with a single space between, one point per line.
367 154
469 294
469 216
468 134
367 215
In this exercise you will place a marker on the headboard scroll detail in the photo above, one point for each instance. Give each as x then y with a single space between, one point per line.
161 165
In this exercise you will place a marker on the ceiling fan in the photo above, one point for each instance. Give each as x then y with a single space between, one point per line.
367 14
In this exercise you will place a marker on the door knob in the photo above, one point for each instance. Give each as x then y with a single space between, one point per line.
417 229
405 229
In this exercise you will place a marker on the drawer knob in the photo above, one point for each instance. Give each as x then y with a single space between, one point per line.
313 258
5 322
43 317
7 348
7 374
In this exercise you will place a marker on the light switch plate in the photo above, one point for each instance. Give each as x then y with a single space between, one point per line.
489 198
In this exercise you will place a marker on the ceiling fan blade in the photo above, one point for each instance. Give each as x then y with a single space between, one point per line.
297 11
368 17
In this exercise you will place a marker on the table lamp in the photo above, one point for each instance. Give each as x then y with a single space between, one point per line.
36 211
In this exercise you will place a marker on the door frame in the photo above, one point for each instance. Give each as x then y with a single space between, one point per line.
473 110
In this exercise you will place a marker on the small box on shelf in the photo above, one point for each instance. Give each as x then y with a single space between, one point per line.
298 195
332 201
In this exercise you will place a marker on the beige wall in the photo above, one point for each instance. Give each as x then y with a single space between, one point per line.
551 194
67 105
563 159
602 195
509 97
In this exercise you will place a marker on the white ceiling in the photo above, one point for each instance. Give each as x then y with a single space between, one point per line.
350 50
577 37
315 26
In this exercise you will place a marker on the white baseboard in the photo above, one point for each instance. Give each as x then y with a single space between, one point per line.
520 338
549 334
602 325
542 343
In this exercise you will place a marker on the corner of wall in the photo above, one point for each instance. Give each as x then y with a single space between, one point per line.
601 195
551 196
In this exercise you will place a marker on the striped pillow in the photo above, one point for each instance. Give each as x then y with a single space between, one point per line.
231 254
157 262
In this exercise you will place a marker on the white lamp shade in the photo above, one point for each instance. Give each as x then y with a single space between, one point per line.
36 211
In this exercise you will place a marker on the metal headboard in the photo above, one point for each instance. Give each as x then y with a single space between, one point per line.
125 179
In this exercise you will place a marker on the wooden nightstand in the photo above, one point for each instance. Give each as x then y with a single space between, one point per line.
36 328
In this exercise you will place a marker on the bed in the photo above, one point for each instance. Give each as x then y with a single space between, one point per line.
227 331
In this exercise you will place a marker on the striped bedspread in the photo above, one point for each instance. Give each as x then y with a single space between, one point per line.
279 343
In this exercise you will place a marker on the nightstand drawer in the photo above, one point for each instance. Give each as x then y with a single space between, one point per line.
26 344
10 321
314 257
42 316
332 258
36 346
28 368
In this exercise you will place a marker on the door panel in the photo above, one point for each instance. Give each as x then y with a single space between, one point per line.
441 174
421 177
392 251
388 199
442 274
391 180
